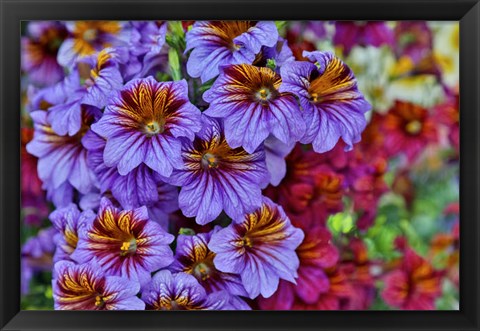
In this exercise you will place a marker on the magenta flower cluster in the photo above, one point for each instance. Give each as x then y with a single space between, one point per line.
137 122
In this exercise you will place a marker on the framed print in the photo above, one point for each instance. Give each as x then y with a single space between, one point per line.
258 165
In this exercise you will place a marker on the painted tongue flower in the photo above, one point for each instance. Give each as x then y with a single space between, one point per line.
408 129
86 38
261 249
125 243
333 107
195 258
246 97
101 76
415 285
89 85
348 34
218 43
39 51
143 123
68 221
62 159
216 176
141 186
181 291
316 254
85 287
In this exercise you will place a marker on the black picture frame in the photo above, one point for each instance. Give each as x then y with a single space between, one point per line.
14 11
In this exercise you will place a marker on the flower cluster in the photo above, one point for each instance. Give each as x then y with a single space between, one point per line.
234 165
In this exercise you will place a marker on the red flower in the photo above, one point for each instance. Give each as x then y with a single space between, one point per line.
408 129
34 206
448 115
318 281
310 191
414 285
358 266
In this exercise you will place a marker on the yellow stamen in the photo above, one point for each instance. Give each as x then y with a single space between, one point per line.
89 35
128 247
209 161
153 127
99 301
413 127
314 97
247 242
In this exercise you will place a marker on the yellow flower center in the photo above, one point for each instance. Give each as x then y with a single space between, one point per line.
153 128
209 161
413 127
263 94
202 271
247 242
89 35
99 302
314 97
128 247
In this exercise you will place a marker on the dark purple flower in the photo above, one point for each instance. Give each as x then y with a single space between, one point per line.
275 153
246 97
181 291
39 51
333 107
218 43
261 249
215 176
68 221
143 125
125 243
141 186
62 159
193 257
85 287
349 34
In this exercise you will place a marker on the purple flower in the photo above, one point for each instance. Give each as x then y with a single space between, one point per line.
275 153
88 37
141 186
85 287
60 196
218 43
102 77
125 243
193 257
68 221
216 176
89 85
36 256
145 47
261 249
280 53
62 159
349 34
143 125
39 51
333 107
246 97
181 291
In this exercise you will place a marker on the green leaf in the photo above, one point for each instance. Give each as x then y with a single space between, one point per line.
340 223
174 63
